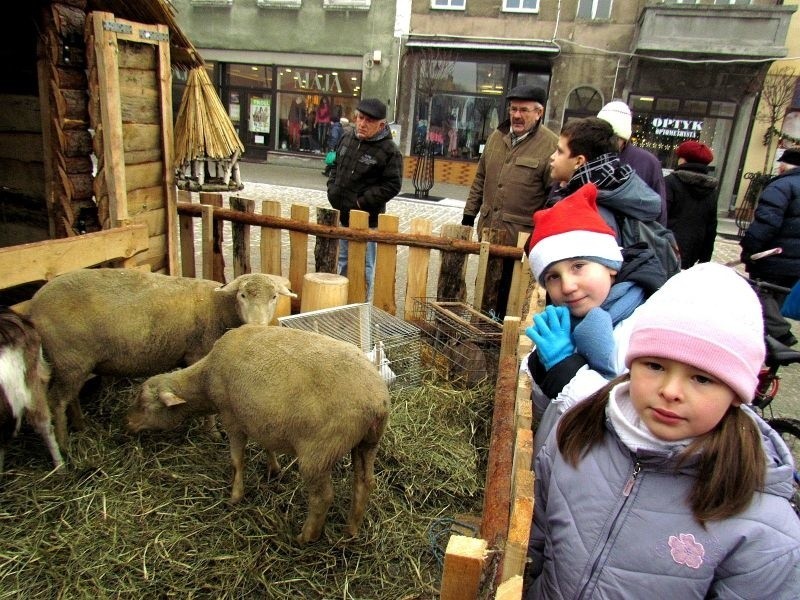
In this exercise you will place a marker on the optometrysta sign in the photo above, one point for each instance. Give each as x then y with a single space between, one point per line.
676 127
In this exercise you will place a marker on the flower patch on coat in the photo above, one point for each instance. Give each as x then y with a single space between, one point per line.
686 550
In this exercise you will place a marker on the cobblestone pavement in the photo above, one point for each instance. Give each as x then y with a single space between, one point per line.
307 185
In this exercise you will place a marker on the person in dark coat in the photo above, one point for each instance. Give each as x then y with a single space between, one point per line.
776 224
692 203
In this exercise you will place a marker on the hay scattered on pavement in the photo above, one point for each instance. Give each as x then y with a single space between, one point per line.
146 517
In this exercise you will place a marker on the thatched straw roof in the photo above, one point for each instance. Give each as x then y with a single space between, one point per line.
182 51
203 128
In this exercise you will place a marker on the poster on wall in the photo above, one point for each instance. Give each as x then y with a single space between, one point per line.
234 108
259 115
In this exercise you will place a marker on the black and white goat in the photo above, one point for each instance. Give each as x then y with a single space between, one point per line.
24 375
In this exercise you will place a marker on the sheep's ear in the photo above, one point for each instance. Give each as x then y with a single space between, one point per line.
233 286
169 399
284 291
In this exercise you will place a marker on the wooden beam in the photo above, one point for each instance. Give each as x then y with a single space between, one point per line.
418 260
510 589
357 259
41 261
167 147
383 294
270 246
107 50
298 252
463 565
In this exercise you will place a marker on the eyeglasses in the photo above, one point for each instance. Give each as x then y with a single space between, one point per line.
523 110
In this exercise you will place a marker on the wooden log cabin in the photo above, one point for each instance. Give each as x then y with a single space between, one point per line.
86 121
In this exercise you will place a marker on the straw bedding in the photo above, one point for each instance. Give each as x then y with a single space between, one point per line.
147 516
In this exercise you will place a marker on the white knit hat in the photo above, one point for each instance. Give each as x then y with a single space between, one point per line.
618 115
706 316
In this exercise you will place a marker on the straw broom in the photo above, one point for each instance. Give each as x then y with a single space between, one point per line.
203 129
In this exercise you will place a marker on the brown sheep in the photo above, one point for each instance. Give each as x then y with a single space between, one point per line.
291 391
129 323
23 383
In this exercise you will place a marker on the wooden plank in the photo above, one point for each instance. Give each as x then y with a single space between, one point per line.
24 177
241 236
270 246
214 199
298 253
480 276
510 589
463 565
45 144
188 268
140 136
520 279
384 290
519 528
524 404
22 145
138 157
494 268
167 148
146 175
207 241
21 113
107 50
510 339
144 199
356 260
418 260
153 219
41 261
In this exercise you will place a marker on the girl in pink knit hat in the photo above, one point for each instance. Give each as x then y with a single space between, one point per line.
664 484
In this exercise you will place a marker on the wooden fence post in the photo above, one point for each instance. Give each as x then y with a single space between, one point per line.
326 250
356 260
217 258
463 566
520 281
270 246
452 283
383 292
208 242
186 228
418 259
494 269
298 254
240 233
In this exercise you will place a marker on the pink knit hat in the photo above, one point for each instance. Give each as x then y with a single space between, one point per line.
706 316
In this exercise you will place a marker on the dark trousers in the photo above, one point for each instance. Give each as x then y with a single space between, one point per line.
771 301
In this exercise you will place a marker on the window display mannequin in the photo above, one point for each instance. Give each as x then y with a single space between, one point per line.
297 114
322 123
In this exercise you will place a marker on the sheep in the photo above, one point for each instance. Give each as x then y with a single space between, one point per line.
130 323
291 391
23 383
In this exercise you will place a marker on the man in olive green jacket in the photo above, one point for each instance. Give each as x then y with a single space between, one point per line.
513 176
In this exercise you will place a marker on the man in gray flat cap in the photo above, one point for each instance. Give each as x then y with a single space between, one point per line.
513 176
367 173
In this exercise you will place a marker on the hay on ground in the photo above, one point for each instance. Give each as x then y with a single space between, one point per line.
148 516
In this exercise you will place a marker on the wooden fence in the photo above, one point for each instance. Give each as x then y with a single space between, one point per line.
498 555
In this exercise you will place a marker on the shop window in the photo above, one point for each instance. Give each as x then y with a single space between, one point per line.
249 76
526 6
590 10
449 4
739 2
668 104
346 4
279 3
722 109
695 107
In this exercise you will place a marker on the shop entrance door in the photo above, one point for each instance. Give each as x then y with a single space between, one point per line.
251 114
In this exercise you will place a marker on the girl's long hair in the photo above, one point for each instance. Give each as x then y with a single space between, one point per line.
730 468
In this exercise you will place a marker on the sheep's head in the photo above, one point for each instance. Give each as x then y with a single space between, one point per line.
157 407
256 297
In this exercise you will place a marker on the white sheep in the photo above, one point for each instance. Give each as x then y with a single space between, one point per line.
290 391
129 323
23 383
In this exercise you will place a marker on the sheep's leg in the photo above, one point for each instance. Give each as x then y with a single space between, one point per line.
319 488
63 393
273 467
40 420
238 440
363 458
210 427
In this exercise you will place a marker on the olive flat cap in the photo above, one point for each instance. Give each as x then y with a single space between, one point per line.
527 92
372 107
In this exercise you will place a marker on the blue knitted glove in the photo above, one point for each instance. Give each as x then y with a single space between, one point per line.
594 340
550 332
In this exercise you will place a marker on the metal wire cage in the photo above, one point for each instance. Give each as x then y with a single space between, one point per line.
459 343
391 343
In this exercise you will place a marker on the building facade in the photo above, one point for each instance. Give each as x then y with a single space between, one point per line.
285 68
688 71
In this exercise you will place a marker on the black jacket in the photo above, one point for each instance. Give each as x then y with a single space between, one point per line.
692 211
365 176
